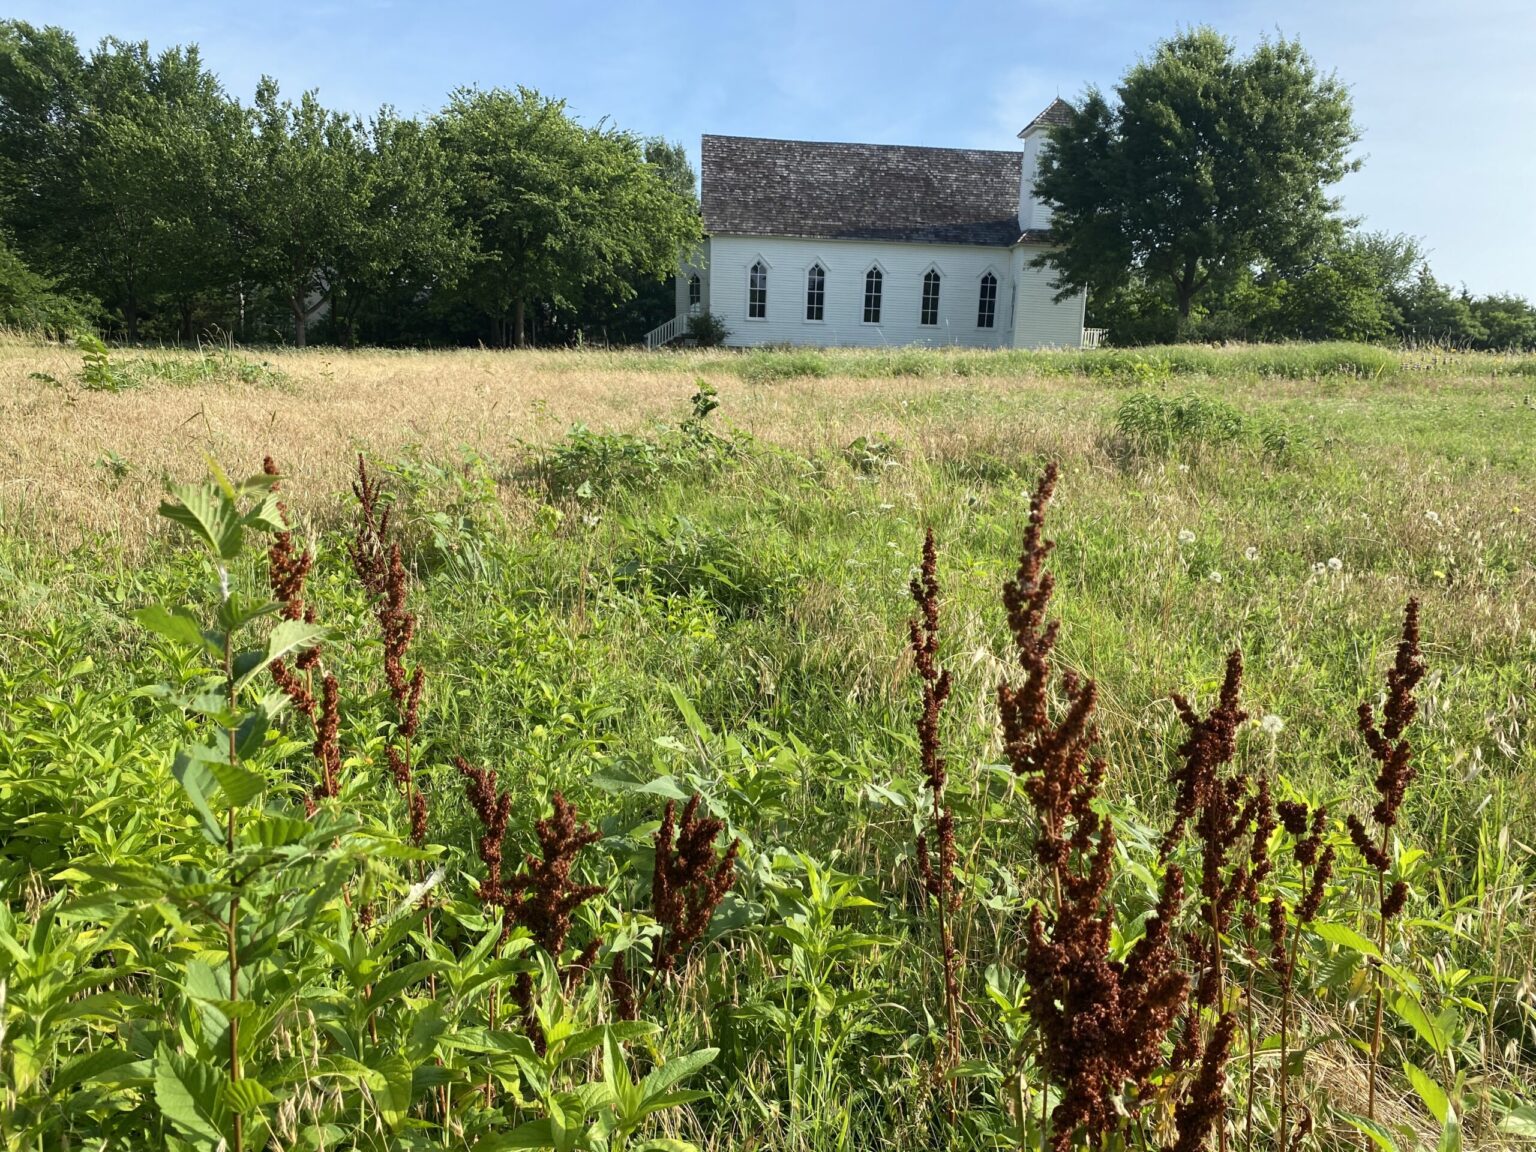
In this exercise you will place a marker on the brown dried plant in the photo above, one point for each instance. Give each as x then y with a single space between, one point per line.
936 861
1101 1023
688 881
493 808
1390 748
1223 809
288 568
542 898
1314 860
377 562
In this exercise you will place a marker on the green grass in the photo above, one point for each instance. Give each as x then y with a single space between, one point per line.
625 616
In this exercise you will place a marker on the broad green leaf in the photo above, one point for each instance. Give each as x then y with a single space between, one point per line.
187 1093
1379 1134
1430 1092
239 785
238 611
88 1067
248 1095
288 636
534 1134
1520 1121
666 1144
210 514
661 1078
197 781
177 625
1450 1133
390 1081
1347 938
1430 1031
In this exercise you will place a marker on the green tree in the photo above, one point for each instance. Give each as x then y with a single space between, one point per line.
1206 164
558 212
1508 322
32 302
301 201
406 240
146 224
41 99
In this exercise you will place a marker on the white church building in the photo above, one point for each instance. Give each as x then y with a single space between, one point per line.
874 245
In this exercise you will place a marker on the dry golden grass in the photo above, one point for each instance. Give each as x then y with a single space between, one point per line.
57 440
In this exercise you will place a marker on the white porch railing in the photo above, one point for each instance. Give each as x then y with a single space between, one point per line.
666 333
1094 337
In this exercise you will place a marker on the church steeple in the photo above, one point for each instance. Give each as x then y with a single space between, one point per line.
1034 215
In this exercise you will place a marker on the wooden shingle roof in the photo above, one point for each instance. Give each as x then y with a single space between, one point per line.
1058 112
757 187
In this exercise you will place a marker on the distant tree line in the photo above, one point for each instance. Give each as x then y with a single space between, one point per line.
1193 203
137 195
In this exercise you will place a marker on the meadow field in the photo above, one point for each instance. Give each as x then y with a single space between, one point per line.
273 910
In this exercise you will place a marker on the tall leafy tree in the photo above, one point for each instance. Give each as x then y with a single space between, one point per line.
41 100
1205 164
558 212
147 179
301 200
407 241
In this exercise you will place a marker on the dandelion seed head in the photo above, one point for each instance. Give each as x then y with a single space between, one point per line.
1214 577
1250 553
1432 516
1186 536
1335 564
1272 724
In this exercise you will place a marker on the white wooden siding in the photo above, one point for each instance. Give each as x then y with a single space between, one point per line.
1038 321
728 259
846 262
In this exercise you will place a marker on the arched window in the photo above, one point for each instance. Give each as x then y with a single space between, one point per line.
986 310
816 293
695 291
757 292
874 281
930 314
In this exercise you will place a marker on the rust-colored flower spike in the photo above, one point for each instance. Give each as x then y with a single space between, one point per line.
625 1004
288 567
541 898
1315 860
1052 757
936 868
327 744
287 570
377 562
1204 1106
1391 749
1102 1024
370 558
1211 742
1393 752
493 808
688 881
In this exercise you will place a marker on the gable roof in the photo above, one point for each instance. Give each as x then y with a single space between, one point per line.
1058 112
757 187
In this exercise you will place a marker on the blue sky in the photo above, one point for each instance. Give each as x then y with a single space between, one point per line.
1444 91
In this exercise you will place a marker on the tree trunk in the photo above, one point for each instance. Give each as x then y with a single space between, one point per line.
519 334
300 321
186 322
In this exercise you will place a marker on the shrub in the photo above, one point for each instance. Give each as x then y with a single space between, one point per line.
764 367
707 330
1160 426
588 464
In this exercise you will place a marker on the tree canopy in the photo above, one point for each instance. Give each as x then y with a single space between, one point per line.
1204 164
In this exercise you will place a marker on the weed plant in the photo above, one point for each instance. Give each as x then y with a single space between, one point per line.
488 812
